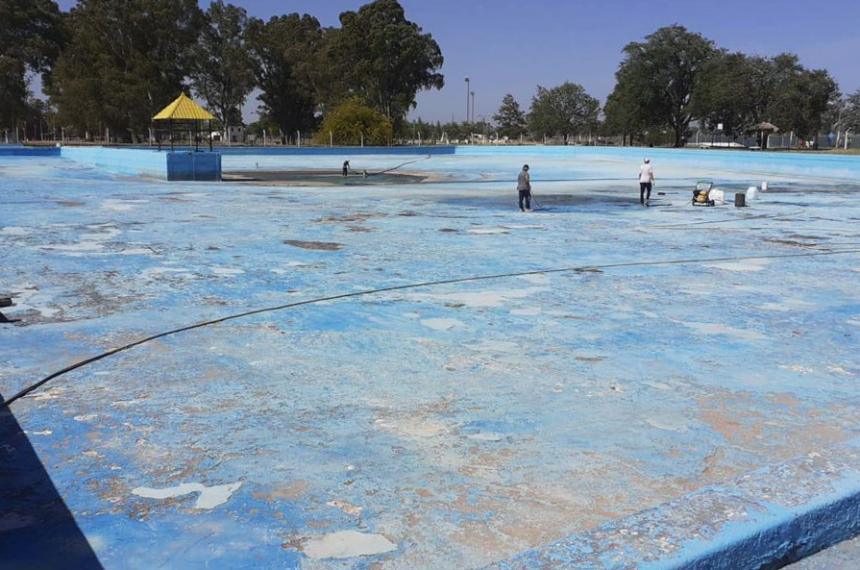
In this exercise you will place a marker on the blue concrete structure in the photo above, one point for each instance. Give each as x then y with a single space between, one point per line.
16 150
123 161
603 386
194 166
339 151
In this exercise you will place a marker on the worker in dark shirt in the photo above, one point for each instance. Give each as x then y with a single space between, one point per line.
524 187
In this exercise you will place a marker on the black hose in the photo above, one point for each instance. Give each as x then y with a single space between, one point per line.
401 165
367 292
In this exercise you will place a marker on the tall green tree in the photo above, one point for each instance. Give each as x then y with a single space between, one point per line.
564 110
286 52
799 97
726 94
511 120
852 112
623 113
384 58
657 77
123 62
352 123
222 69
30 40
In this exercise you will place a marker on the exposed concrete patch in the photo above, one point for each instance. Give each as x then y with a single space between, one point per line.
347 544
348 508
718 329
484 298
488 231
317 245
227 271
16 231
209 497
121 205
441 324
412 426
747 265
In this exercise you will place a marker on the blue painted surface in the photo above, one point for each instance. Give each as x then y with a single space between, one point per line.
194 166
21 151
123 161
466 423
338 151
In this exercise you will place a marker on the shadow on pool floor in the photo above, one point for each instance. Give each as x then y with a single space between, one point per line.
37 530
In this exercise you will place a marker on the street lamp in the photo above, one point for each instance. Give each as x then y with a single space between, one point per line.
467 99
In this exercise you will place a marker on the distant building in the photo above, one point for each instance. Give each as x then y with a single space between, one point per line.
235 134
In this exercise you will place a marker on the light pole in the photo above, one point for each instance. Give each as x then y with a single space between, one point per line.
467 99
473 107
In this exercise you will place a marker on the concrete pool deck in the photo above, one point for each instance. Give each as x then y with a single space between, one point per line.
686 380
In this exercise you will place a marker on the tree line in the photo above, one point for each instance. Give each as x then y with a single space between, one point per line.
112 64
675 78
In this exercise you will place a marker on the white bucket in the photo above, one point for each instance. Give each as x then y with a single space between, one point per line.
764 186
752 193
718 196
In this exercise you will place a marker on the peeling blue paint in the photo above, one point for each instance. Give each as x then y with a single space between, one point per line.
467 423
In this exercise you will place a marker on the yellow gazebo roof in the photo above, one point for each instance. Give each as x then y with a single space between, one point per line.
183 109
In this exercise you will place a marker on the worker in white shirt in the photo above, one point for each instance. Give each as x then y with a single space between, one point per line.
646 179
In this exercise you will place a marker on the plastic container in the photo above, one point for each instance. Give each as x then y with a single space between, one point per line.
717 196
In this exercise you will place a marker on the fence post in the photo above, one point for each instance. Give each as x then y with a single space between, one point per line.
330 139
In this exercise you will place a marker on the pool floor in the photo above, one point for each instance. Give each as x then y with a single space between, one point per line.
610 359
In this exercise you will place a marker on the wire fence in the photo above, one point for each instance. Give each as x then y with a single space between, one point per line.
775 141
240 136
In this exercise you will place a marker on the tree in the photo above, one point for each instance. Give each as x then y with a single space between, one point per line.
726 94
222 68
286 52
124 61
30 39
510 119
852 112
624 113
352 123
384 58
564 110
657 78
800 97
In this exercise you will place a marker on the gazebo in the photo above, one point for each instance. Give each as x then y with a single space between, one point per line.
763 129
184 110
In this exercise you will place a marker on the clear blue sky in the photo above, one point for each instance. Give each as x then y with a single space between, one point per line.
508 46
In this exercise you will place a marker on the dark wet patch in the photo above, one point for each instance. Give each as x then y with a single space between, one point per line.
449 230
408 214
360 217
315 245
588 270
70 203
361 229
789 242
590 358
799 236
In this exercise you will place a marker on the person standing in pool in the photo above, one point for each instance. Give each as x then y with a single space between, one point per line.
524 188
346 168
646 180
